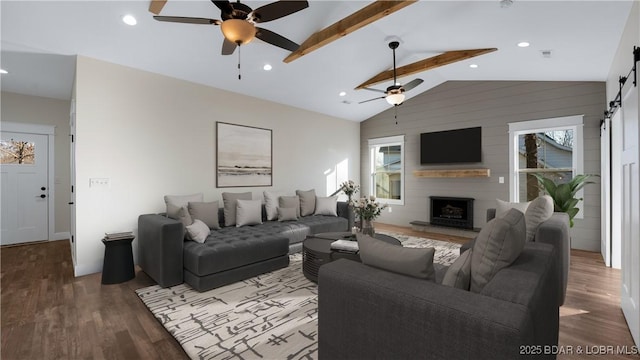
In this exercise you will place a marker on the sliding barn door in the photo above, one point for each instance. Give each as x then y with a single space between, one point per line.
630 294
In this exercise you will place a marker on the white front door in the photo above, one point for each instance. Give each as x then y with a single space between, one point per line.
25 195
630 293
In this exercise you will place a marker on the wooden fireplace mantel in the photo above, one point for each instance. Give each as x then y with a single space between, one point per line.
455 173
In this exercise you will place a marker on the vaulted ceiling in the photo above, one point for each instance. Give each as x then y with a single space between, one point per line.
569 40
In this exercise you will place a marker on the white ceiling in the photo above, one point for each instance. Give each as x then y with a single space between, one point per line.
41 38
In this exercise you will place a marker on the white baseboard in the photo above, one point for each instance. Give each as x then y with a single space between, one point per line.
61 236
81 270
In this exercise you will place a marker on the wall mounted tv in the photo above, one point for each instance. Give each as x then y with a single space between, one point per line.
451 146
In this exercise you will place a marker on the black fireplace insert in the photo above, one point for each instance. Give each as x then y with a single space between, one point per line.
451 211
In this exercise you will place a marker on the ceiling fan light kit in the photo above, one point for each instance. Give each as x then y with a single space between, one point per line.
238 31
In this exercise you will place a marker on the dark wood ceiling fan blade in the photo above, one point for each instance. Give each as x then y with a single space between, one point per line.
347 25
275 39
378 98
223 5
446 58
411 84
278 9
376 90
188 20
228 47
156 6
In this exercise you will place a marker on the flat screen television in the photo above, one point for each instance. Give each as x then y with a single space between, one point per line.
451 146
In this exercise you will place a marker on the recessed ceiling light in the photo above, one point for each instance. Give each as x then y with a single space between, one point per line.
267 67
3 71
342 93
129 20
523 44
473 66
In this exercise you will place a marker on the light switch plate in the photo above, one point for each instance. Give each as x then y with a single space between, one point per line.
501 179
99 182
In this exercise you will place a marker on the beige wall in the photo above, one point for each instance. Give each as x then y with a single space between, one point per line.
46 111
152 135
491 105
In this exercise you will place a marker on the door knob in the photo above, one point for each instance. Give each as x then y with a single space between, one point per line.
43 188
42 196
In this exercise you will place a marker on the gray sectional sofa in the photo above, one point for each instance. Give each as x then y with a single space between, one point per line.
229 254
369 313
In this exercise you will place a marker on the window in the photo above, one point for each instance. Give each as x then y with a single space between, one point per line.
551 147
17 152
386 156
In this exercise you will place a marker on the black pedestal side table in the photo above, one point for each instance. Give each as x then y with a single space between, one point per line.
118 261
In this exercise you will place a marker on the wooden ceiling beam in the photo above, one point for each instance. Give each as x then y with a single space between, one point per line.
351 23
446 58
156 6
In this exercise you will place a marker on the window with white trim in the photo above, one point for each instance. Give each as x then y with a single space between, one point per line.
386 157
550 147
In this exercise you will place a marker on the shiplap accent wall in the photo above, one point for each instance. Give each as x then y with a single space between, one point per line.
491 105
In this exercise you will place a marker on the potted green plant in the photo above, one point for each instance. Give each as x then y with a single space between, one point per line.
564 194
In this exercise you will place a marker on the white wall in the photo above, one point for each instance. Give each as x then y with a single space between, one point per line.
46 111
152 135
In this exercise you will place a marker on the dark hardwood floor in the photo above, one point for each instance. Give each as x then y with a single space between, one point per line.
46 313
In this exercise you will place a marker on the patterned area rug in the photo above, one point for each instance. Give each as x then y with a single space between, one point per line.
270 316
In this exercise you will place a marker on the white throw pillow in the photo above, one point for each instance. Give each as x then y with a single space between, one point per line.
539 211
326 206
198 231
271 203
248 212
503 207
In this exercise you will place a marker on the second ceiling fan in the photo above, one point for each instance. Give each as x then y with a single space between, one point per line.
395 93
239 21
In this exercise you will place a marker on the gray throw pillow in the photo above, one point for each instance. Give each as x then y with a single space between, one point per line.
498 244
290 201
186 220
249 212
539 211
288 214
326 206
458 275
307 202
415 262
176 202
207 212
230 201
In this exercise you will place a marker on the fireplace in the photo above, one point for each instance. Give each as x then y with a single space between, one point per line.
452 212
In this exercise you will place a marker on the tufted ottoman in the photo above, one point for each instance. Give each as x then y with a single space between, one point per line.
233 254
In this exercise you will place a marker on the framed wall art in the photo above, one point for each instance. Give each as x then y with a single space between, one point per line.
243 156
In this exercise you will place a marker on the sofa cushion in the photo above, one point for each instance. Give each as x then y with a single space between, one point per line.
502 207
539 211
175 202
233 247
248 212
271 203
287 214
307 201
497 245
326 206
290 201
207 212
458 275
230 201
415 262
198 231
